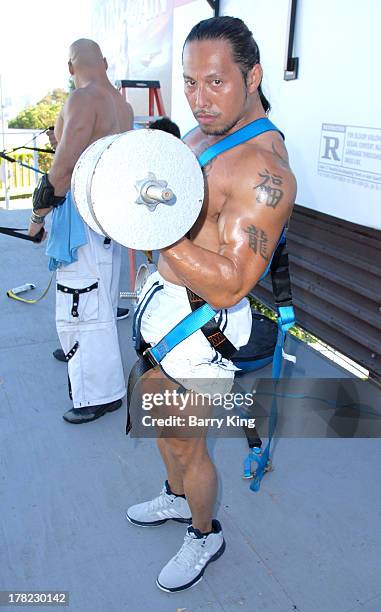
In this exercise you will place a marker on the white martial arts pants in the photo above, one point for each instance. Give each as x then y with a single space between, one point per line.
86 322
194 363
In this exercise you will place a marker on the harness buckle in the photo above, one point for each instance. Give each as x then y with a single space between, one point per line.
147 353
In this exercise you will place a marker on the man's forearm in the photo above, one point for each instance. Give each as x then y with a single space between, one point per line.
60 178
62 168
210 275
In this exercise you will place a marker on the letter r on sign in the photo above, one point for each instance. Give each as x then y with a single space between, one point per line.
332 143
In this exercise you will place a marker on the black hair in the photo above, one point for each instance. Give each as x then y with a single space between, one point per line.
245 49
166 125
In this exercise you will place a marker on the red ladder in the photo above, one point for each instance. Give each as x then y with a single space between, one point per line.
154 95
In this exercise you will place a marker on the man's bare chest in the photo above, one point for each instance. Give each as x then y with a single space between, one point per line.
218 179
217 187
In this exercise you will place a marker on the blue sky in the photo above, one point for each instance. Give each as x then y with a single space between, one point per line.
34 40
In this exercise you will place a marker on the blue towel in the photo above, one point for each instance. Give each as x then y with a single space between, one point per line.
66 236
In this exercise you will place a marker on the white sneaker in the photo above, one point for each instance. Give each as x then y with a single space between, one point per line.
187 567
163 508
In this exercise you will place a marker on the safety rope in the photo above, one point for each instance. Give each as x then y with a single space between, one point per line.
15 233
33 149
34 137
16 161
5 154
14 296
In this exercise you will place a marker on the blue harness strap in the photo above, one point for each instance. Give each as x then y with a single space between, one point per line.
185 328
286 319
251 130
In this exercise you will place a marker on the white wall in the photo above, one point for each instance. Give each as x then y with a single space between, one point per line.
184 18
339 50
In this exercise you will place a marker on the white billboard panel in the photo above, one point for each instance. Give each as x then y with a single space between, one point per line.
331 113
136 38
184 18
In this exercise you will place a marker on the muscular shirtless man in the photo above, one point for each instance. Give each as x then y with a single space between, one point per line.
87 277
250 194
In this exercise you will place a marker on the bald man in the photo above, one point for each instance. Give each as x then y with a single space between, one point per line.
87 264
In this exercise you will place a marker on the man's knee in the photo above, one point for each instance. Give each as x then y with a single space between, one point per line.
186 450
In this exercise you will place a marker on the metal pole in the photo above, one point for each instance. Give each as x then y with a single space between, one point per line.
35 159
3 138
291 64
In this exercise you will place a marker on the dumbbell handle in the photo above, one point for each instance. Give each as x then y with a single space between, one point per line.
157 193
152 191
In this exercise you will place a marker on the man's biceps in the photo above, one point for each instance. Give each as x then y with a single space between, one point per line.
268 220
258 238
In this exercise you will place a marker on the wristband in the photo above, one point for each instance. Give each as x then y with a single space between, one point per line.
36 218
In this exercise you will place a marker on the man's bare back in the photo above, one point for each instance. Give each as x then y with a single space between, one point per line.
104 104
95 109
91 112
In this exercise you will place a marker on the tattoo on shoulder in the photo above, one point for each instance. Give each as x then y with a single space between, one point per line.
269 191
258 241
207 168
282 160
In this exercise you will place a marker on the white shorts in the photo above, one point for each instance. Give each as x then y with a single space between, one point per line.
161 306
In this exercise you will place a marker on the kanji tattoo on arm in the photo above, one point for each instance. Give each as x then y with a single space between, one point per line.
258 241
268 191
